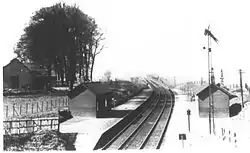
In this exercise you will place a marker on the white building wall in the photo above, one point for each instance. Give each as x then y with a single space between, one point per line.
221 105
83 105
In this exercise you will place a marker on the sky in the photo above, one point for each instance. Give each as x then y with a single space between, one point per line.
160 37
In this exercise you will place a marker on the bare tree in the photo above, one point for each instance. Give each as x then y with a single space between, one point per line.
97 50
107 76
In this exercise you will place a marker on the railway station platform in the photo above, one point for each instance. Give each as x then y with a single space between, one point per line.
135 102
198 139
90 129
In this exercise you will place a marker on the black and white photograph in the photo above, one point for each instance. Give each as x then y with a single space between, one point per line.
109 75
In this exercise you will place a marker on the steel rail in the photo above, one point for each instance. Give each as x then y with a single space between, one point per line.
155 124
139 126
127 126
166 125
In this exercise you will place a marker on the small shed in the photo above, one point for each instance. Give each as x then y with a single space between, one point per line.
90 99
220 98
17 75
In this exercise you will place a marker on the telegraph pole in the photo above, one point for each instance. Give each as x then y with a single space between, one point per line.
212 103
222 78
209 88
210 35
241 89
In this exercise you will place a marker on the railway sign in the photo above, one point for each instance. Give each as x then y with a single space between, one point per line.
188 114
182 137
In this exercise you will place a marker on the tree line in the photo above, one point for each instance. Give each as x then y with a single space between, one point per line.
62 39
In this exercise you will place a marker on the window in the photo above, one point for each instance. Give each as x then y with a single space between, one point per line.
106 103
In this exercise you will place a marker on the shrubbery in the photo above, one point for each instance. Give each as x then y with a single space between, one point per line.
43 140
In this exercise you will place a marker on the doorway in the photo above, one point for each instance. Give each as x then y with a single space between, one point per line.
14 81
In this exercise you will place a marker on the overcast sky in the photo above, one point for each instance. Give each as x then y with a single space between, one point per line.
144 37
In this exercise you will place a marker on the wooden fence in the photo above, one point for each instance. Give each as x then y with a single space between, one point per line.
35 108
30 125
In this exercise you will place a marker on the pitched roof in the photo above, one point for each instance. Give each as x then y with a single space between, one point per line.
96 88
205 92
198 89
36 69
33 68
76 91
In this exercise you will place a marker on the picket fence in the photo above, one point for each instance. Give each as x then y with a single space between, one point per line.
34 108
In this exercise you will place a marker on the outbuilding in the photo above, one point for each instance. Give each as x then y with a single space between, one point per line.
220 98
90 99
17 75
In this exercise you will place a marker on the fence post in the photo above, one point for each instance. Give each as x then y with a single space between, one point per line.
51 105
222 133
41 124
11 127
235 140
26 108
37 107
32 107
33 126
7 109
51 122
67 102
5 129
46 105
229 135
42 106
58 122
20 109
19 127
13 109
26 126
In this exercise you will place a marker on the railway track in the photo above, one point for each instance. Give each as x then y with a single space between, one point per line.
147 130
